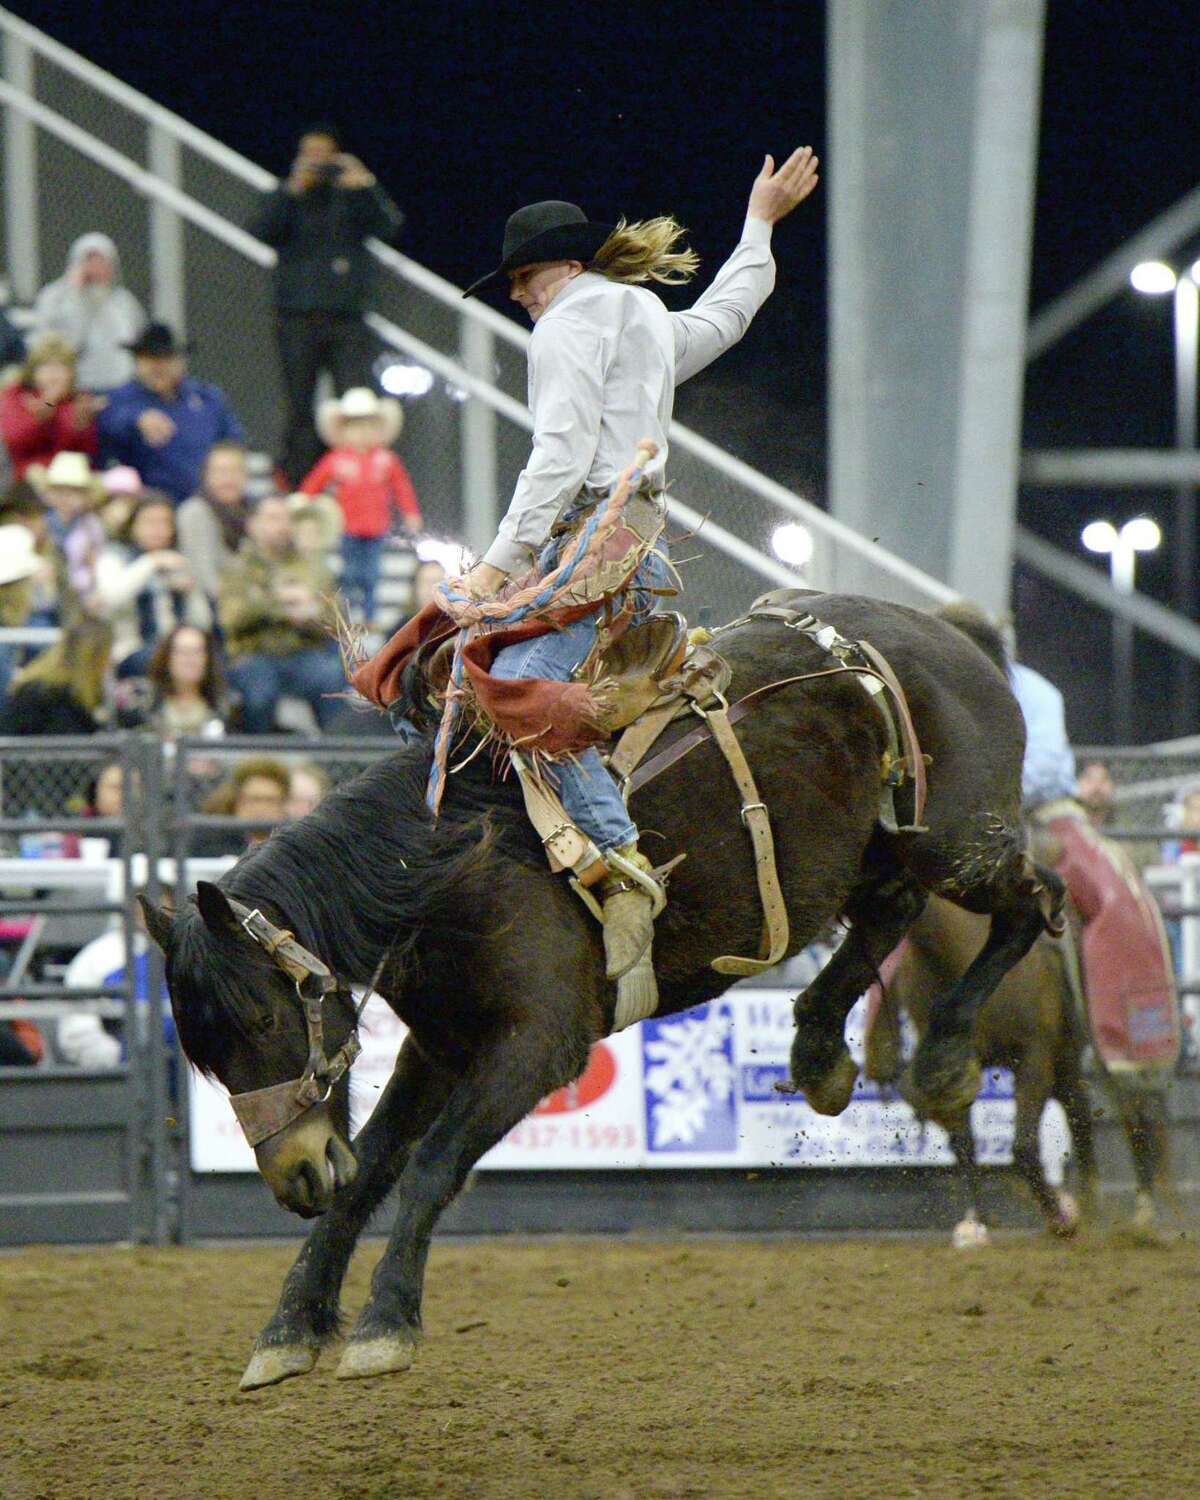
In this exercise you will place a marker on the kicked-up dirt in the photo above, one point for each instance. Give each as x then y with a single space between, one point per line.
621 1370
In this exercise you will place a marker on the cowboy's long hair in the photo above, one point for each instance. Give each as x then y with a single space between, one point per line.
649 250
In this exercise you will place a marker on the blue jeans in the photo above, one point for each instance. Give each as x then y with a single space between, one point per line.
362 560
312 675
588 792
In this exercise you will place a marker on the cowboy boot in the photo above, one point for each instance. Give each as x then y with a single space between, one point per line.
632 899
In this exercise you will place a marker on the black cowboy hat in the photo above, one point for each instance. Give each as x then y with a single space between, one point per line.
157 340
544 231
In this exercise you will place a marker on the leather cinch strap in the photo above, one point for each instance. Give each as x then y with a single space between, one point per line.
755 817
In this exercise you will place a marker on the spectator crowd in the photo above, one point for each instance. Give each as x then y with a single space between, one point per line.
188 598
153 577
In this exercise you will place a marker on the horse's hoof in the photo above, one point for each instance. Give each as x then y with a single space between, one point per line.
278 1362
827 1086
943 1081
385 1354
970 1234
830 1094
1066 1220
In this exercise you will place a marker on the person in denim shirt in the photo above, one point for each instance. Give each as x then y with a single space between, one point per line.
163 422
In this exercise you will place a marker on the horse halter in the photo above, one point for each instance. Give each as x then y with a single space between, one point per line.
265 1112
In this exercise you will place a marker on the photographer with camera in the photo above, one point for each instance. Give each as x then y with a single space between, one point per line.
318 220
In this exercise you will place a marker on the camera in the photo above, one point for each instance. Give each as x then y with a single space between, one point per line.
327 171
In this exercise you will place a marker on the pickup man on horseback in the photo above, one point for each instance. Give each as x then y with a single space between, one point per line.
604 362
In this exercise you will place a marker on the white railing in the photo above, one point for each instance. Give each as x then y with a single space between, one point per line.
753 504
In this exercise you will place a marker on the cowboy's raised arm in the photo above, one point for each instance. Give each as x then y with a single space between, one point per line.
721 316
566 385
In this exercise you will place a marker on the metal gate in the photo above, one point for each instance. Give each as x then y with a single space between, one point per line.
83 1149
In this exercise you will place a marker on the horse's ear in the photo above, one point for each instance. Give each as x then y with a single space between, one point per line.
215 909
158 922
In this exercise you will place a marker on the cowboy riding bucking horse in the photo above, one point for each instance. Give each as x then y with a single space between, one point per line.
579 557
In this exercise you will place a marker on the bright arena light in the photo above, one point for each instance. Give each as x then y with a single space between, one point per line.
792 544
1152 277
1099 536
406 380
1142 534
453 556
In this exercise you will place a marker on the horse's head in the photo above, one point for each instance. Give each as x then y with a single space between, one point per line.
261 1014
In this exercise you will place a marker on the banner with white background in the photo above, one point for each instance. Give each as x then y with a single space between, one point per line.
693 1090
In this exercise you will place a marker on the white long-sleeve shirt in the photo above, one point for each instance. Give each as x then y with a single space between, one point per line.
604 361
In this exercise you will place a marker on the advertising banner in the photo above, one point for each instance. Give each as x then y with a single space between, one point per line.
693 1090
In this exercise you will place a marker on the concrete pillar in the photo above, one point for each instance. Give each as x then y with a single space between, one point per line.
932 152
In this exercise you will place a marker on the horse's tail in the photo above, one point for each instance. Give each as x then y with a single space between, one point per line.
973 623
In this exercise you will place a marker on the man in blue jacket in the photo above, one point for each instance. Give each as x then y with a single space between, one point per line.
163 422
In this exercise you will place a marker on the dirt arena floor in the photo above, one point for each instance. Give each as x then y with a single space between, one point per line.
635 1370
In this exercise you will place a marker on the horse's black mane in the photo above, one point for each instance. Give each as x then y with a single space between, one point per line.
359 878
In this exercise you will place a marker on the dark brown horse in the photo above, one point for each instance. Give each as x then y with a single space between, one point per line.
1032 1024
498 972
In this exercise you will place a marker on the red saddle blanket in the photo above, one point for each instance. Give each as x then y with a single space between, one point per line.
552 717
1127 972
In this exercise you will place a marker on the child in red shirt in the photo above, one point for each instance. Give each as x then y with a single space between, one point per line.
368 481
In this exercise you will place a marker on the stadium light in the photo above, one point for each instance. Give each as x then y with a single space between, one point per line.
1100 536
792 544
453 556
1142 534
1152 277
400 379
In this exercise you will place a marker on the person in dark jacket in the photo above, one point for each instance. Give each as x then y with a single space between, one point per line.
163 422
319 221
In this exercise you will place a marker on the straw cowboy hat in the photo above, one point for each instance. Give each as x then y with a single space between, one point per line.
551 230
322 508
70 471
18 554
359 401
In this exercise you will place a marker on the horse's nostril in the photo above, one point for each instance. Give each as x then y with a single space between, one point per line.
305 1188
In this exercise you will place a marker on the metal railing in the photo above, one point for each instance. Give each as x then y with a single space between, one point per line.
178 200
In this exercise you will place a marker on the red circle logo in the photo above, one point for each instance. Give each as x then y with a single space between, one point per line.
592 1084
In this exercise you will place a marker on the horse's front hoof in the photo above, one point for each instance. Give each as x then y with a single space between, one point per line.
278 1362
826 1083
943 1081
384 1354
831 1094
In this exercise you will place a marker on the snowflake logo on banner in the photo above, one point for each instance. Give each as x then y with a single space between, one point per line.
689 1080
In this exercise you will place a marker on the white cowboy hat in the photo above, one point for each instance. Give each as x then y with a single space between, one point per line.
359 401
69 470
18 554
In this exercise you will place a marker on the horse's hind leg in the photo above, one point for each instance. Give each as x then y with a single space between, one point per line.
307 1316
1024 900
970 1232
1143 1116
821 1066
506 1081
1071 1092
1033 1085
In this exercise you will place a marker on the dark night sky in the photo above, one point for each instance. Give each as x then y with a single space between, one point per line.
466 110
